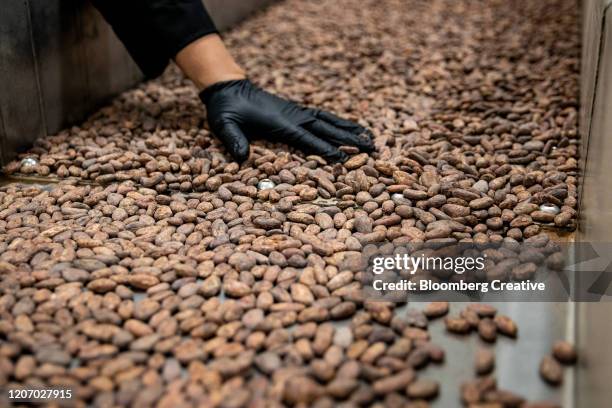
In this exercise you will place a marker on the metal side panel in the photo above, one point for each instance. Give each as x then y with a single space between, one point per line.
593 12
226 13
109 68
596 210
59 61
21 115
592 17
594 330
62 67
593 324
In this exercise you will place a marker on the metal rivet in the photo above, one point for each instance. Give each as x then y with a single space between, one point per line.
265 184
549 208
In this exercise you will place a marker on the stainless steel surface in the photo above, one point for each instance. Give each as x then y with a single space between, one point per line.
21 110
517 360
226 13
80 61
592 18
596 211
59 60
594 331
593 324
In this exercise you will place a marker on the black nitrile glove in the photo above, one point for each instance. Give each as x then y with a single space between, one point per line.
238 109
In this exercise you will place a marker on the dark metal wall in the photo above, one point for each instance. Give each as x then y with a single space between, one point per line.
593 323
59 60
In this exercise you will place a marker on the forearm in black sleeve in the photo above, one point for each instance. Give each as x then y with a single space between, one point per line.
154 31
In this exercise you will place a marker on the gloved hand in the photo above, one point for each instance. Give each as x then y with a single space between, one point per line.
238 109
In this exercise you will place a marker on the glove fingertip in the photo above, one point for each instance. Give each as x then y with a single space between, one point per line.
366 138
337 156
240 152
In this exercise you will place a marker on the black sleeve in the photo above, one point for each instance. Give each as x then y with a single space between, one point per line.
154 31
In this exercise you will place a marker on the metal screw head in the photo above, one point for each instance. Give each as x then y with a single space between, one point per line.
549 208
29 162
265 184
